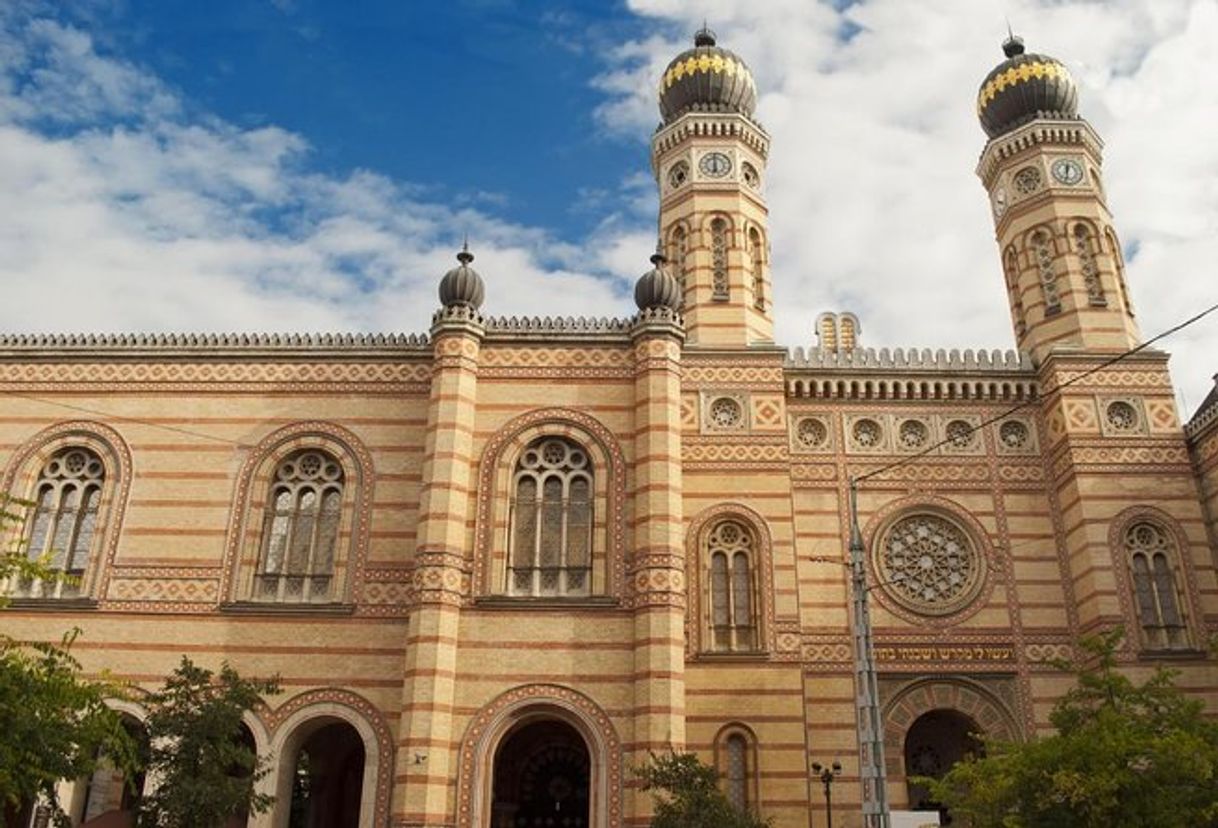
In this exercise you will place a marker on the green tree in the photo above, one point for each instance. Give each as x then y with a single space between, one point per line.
687 795
14 562
205 771
54 724
1124 754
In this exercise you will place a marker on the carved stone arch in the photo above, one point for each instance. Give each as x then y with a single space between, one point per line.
924 695
991 568
1048 229
495 467
732 227
294 720
489 727
25 465
1183 564
695 573
245 525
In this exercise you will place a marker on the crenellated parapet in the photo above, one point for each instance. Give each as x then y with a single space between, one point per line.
168 341
913 374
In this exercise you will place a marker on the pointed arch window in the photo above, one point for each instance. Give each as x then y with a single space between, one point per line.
757 257
301 533
1084 246
1152 564
1042 247
551 532
63 528
733 597
719 282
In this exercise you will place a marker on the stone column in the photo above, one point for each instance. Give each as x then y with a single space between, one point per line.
441 577
658 572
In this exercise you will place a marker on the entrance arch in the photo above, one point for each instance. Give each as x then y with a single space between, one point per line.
937 740
541 777
541 716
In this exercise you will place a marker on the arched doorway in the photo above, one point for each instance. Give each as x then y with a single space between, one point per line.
542 777
108 797
245 737
327 778
935 741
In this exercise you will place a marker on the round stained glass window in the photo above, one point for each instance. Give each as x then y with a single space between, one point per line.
811 433
725 413
928 564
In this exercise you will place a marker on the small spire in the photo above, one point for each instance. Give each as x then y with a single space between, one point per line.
704 36
1013 45
658 259
465 257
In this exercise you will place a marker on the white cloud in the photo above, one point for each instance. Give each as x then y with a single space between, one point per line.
127 209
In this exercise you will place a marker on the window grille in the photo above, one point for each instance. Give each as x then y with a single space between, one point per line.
732 595
551 526
301 534
1154 585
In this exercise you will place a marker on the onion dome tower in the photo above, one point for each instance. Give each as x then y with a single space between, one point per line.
462 286
1041 166
709 156
656 288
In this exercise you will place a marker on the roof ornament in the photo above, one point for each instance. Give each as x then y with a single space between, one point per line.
462 286
1013 45
704 36
657 288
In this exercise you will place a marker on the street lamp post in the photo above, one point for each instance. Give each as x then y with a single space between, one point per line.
826 775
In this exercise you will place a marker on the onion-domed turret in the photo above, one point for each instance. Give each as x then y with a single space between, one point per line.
657 288
706 78
1023 87
462 286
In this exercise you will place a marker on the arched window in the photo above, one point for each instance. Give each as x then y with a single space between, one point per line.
551 534
733 603
1151 558
1010 266
301 532
678 251
736 751
62 532
757 257
1118 262
719 283
1042 246
1084 247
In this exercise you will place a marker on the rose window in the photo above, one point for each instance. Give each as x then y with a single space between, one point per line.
1027 180
725 413
811 433
913 434
960 432
867 433
1013 434
678 174
928 564
1122 416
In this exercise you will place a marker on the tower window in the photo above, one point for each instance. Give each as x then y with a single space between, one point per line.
1042 247
1083 246
1114 249
301 535
757 256
719 283
678 250
66 500
1010 266
551 533
1160 615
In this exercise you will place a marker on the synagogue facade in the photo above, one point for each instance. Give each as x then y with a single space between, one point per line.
498 564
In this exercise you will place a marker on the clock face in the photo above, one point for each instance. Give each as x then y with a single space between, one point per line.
1067 171
715 165
999 200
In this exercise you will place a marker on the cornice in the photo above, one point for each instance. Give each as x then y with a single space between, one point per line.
1055 131
710 125
126 346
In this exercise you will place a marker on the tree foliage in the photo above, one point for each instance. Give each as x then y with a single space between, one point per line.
53 723
687 795
15 563
205 771
1124 754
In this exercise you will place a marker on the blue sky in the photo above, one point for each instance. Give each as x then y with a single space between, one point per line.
312 164
452 97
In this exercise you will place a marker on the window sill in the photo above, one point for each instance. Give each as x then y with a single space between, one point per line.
270 608
52 604
733 655
525 602
1171 654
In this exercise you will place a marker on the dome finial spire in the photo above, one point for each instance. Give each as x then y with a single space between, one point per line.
704 36
1013 45
465 257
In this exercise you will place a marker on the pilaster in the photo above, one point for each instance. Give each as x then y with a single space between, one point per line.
658 569
441 577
